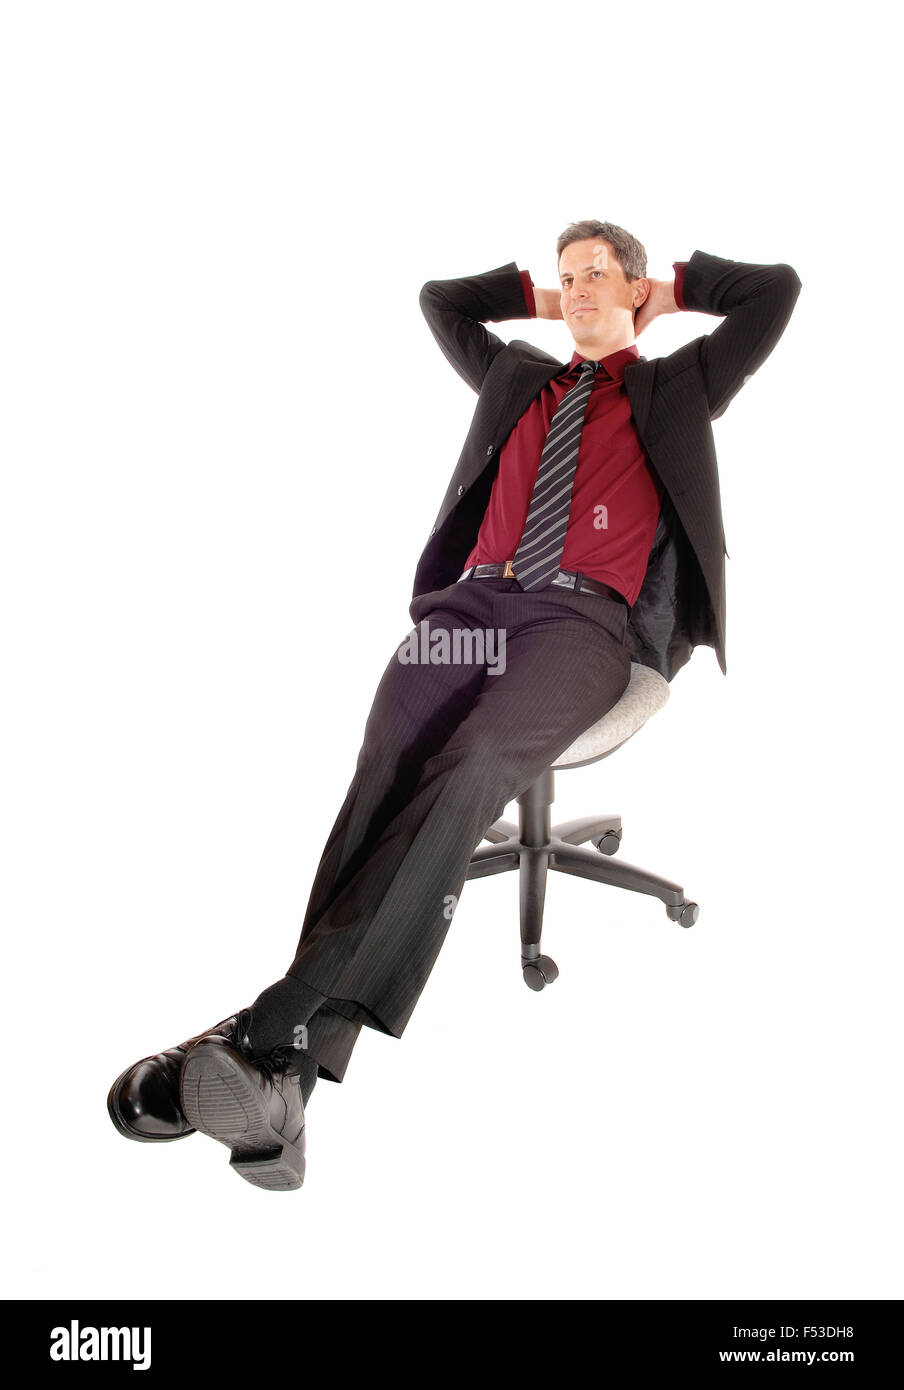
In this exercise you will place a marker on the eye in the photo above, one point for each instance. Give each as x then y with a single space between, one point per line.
599 272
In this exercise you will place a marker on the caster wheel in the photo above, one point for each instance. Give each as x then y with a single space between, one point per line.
685 914
608 843
540 972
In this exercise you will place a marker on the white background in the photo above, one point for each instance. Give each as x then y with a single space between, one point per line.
226 434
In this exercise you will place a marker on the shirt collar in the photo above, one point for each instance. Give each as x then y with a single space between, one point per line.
613 364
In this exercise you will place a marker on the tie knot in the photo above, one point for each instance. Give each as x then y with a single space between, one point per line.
589 366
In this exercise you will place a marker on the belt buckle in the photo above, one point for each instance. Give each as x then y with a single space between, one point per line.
507 571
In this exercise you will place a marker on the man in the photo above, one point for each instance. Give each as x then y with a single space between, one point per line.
581 530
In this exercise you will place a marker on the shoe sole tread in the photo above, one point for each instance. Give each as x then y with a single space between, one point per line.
220 1099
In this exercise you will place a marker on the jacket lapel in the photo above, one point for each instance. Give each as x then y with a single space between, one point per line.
639 377
528 380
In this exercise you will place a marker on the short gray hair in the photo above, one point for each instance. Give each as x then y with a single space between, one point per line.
629 253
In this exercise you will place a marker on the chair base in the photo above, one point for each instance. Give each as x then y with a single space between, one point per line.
534 846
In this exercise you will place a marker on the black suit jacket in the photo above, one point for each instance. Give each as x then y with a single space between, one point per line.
673 400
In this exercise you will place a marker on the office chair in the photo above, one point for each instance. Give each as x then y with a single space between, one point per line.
533 846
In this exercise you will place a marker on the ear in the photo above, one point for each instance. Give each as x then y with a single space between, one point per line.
641 290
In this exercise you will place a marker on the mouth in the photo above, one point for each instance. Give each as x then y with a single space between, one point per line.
584 310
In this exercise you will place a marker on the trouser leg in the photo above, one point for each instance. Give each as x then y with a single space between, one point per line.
373 947
415 709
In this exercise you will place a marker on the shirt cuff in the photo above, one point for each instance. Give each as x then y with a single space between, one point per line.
679 268
527 285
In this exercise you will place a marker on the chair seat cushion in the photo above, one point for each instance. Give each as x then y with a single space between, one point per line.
646 692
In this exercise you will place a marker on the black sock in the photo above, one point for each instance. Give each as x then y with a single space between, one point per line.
277 1017
306 1066
279 1012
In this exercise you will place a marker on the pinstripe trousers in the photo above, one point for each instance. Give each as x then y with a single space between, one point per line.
446 747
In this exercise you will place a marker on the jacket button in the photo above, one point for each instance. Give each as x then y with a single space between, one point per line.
460 491
490 449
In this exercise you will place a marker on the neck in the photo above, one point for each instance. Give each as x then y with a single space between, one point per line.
595 349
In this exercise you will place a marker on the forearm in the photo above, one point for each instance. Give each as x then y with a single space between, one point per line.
664 297
548 303
755 302
714 285
457 311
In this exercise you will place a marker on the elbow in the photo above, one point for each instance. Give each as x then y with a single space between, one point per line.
789 279
428 294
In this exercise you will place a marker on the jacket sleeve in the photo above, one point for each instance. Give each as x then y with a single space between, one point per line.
757 302
456 311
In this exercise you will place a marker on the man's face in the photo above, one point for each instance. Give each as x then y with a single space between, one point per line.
595 293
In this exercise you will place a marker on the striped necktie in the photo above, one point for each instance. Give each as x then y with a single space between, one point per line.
537 559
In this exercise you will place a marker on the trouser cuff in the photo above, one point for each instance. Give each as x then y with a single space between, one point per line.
330 1041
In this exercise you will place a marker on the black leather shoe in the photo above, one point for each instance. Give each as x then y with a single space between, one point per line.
144 1101
251 1104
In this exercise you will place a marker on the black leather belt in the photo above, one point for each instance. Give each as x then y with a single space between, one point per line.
565 579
